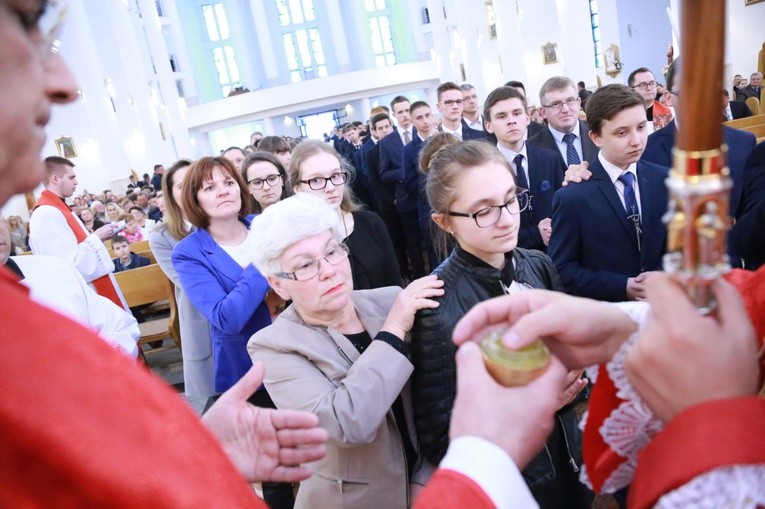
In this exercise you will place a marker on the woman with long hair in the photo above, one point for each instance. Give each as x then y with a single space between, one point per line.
472 191
213 265
113 212
279 147
266 179
89 220
195 330
317 168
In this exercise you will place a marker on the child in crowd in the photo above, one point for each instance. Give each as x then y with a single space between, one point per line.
126 259
132 231
145 226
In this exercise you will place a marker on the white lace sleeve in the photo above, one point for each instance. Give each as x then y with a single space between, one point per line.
739 486
631 425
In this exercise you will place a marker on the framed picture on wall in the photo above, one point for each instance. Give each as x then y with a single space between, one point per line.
65 147
750 2
550 53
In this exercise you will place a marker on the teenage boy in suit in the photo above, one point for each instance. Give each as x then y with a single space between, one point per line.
609 234
537 169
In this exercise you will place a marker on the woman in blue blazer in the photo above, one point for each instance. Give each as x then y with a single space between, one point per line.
214 268
213 265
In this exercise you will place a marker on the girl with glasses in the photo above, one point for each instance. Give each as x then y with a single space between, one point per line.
475 200
266 179
317 168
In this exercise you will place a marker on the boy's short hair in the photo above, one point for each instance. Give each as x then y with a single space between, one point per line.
379 118
444 87
501 94
136 207
606 102
416 105
120 239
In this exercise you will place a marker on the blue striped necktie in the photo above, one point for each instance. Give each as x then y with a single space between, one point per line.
572 156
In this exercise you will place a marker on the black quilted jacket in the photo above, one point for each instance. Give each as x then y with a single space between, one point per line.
468 281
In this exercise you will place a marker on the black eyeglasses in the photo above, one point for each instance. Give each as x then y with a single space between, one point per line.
271 180
316 183
452 102
489 216
645 85
310 268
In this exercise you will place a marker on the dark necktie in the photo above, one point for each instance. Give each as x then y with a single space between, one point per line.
520 175
572 157
630 202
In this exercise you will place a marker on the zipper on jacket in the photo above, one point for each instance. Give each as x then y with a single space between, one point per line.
344 356
571 459
403 449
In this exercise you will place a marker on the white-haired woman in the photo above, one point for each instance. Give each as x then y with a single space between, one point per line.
340 354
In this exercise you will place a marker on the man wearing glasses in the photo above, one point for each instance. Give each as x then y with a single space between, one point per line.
450 105
565 133
643 82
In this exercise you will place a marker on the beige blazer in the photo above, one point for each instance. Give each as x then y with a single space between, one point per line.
317 369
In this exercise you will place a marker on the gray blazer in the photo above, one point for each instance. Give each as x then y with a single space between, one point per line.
318 370
195 331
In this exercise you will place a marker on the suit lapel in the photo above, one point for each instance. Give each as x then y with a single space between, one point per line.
220 259
603 181
650 207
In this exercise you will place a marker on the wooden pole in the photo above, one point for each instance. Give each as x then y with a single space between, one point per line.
697 218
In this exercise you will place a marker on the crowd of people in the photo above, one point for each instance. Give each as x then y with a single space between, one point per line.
332 295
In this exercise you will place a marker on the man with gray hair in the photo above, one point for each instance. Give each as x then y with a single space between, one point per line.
470 110
565 133
753 89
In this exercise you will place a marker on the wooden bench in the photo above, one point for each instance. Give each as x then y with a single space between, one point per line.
148 285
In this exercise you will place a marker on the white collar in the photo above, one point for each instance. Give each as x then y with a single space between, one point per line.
559 135
614 172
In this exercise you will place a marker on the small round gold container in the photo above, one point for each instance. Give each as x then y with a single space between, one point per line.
512 368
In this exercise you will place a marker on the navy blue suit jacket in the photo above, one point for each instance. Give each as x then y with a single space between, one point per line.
392 162
658 150
544 139
545 177
594 244
746 237
472 134
739 109
407 191
232 299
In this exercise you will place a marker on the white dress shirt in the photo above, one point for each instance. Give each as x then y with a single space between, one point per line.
615 172
562 146
457 133
490 468
510 156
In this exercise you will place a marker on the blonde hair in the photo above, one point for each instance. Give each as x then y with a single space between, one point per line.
310 148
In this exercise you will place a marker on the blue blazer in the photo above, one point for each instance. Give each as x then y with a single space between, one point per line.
230 297
391 156
546 171
658 150
594 245
746 236
407 190
469 133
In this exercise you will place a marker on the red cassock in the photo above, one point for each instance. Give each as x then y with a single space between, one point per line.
83 426
704 424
